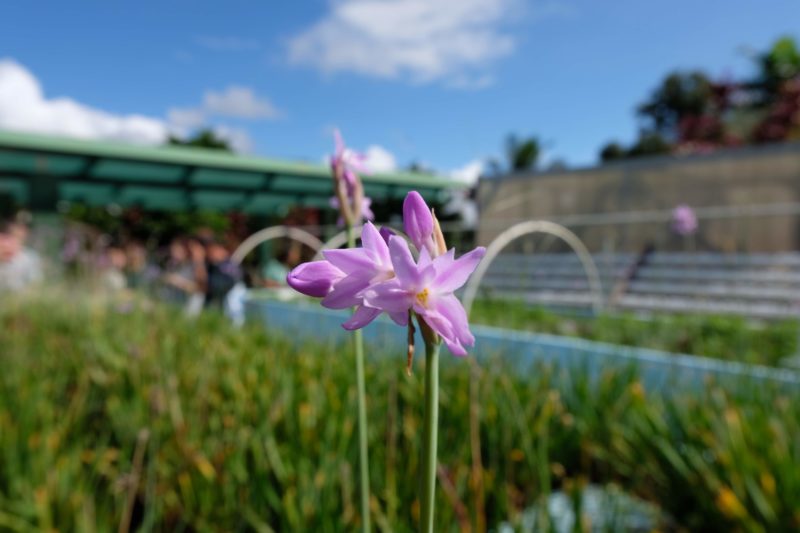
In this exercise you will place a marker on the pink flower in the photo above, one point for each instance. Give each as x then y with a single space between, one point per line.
366 209
316 278
684 221
362 267
418 223
350 161
382 276
427 288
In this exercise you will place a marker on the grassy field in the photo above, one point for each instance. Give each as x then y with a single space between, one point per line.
722 337
130 415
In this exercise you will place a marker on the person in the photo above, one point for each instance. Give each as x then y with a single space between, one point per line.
20 267
225 289
275 271
178 278
113 265
197 258
135 264
223 273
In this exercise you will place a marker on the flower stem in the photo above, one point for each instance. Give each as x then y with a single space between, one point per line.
363 454
430 435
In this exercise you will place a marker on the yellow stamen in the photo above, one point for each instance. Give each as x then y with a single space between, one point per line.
422 298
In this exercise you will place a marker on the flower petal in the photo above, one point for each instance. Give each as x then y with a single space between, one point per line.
366 209
346 293
417 220
451 275
442 326
451 309
388 296
363 316
386 233
405 269
350 260
372 240
400 317
314 279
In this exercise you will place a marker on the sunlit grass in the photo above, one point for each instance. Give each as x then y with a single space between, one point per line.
238 430
722 337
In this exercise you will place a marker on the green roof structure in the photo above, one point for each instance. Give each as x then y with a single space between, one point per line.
41 171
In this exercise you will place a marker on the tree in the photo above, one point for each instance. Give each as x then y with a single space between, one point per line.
205 138
681 95
650 144
522 154
779 65
612 152
778 93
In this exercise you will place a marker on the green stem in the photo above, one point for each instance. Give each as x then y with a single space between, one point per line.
430 435
363 455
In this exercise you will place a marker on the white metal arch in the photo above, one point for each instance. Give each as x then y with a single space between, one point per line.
527 228
271 233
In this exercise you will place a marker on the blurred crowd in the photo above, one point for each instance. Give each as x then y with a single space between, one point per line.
20 267
195 271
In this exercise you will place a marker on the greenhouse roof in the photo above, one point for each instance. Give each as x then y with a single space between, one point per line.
40 171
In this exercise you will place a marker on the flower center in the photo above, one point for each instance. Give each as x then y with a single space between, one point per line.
422 298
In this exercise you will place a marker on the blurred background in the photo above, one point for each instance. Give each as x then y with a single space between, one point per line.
170 161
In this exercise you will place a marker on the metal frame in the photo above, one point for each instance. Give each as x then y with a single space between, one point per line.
527 228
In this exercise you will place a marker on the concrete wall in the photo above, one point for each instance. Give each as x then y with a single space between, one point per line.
642 192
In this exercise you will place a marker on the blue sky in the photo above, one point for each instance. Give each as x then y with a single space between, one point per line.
437 81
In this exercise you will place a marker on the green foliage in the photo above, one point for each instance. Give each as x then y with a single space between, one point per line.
239 431
722 337
778 65
680 94
148 225
205 138
523 154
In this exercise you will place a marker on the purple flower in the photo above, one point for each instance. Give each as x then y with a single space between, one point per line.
684 221
418 223
361 267
349 161
427 288
382 276
366 209
314 279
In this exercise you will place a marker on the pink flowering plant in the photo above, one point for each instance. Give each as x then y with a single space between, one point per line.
385 276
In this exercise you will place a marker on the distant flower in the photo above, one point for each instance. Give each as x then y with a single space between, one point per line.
349 199
346 161
684 221
366 209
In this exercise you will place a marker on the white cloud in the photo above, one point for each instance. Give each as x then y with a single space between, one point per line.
424 40
469 173
238 102
184 119
237 138
379 159
24 106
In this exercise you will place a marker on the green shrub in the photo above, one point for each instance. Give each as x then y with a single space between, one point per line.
722 337
240 431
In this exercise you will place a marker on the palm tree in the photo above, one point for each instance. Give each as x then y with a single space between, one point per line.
522 154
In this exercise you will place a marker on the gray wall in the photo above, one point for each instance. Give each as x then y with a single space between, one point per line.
636 197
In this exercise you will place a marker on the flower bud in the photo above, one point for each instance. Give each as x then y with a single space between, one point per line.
418 222
316 278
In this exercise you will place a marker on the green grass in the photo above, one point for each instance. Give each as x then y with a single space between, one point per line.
722 337
240 431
